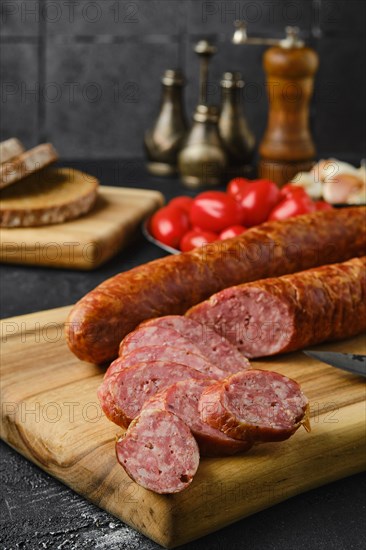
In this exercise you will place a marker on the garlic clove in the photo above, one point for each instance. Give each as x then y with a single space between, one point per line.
338 191
331 169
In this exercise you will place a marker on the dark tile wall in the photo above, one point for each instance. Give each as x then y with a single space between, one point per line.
85 74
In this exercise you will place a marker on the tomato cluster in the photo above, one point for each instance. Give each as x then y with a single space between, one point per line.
186 223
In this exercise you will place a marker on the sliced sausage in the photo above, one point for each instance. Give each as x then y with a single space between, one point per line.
290 312
173 284
166 353
123 394
145 336
255 405
182 399
159 452
210 344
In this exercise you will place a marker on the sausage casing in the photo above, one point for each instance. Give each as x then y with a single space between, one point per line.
171 285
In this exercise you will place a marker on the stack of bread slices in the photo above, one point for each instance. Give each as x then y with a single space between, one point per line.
33 194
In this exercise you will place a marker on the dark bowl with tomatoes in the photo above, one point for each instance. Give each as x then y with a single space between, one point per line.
186 223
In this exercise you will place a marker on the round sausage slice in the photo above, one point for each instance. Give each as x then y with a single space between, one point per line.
255 405
182 399
166 353
154 336
215 347
123 394
159 452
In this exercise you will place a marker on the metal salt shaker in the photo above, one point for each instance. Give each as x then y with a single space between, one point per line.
164 140
234 130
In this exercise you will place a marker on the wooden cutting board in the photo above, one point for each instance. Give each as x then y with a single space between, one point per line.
51 415
87 242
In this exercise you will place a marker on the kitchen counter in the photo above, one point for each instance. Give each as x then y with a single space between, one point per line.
36 511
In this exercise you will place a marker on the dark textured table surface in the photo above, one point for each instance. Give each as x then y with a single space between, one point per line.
36 511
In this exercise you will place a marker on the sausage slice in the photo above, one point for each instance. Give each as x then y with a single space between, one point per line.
255 405
166 353
182 399
159 452
215 347
123 394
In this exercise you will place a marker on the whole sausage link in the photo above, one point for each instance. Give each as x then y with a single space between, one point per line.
168 286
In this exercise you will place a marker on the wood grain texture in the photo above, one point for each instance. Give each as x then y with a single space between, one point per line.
51 415
287 146
87 242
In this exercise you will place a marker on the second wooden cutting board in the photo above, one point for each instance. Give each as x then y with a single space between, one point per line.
87 242
50 413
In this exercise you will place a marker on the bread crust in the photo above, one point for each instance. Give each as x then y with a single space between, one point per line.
53 196
17 168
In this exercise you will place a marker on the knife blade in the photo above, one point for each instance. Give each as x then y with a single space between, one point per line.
350 362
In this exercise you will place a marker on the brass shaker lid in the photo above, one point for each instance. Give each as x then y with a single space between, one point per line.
204 47
173 77
292 39
206 113
232 80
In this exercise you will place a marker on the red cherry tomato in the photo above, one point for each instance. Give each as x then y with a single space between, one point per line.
232 231
169 224
236 185
289 190
196 238
322 205
293 206
214 211
182 202
257 200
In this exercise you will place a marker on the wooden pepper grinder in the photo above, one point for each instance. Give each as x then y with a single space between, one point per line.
287 146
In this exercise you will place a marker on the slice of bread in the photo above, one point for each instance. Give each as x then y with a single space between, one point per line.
47 197
27 163
10 148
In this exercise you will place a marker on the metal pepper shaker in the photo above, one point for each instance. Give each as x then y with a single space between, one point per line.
202 160
234 130
164 140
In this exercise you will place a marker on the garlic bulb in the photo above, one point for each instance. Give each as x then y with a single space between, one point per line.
336 181
332 168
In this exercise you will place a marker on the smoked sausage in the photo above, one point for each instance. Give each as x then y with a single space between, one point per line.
171 285
292 312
